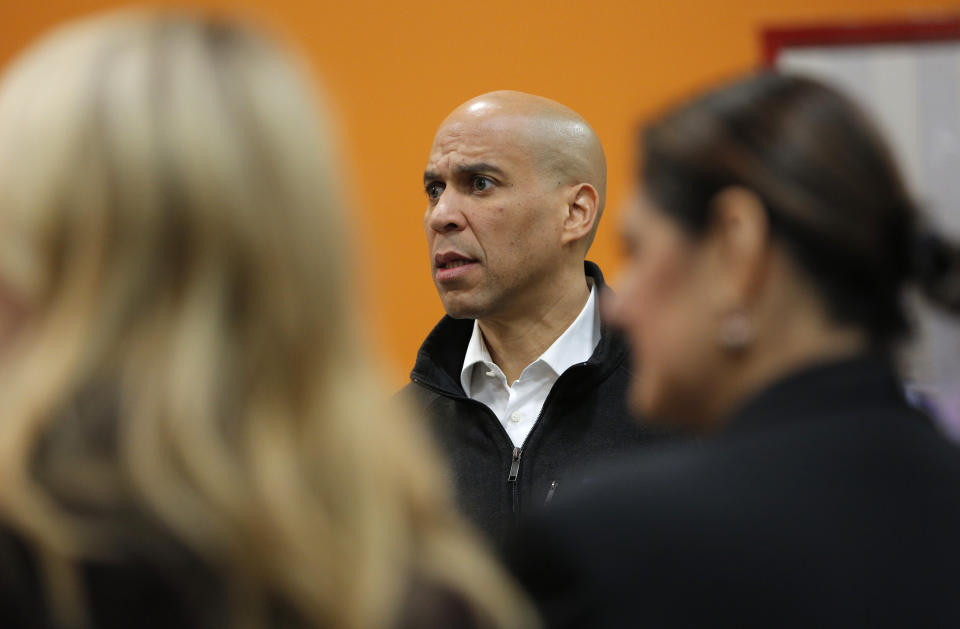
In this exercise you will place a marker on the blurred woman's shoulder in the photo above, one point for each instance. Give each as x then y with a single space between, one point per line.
175 591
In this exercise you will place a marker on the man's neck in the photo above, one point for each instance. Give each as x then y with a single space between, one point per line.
515 342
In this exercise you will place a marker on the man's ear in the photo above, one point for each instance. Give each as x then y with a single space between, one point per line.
583 206
740 231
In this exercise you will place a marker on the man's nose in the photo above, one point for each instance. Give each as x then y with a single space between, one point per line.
446 215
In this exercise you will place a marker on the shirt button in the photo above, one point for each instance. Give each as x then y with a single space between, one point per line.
516 416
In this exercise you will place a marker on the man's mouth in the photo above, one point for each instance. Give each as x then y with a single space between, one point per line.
454 264
450 265
451 260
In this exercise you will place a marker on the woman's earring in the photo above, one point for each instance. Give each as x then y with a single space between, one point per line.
736 331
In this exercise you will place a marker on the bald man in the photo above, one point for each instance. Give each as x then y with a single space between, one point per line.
522 384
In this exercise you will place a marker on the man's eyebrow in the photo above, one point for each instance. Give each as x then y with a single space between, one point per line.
466 169
479 167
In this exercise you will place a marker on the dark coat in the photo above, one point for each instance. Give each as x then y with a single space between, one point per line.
826 501
584 421
160 585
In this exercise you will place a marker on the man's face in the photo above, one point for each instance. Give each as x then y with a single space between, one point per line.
493 219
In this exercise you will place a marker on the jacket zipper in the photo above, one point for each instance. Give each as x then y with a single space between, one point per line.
518 452
514 471
515 462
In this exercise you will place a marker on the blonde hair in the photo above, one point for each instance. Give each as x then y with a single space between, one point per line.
171 226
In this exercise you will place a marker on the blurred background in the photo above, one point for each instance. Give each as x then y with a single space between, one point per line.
393 70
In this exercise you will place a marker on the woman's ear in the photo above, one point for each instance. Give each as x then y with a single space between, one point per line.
740 231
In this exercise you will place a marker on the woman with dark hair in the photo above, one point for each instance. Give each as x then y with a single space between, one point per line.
768 253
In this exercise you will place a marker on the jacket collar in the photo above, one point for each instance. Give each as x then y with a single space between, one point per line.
841 386
440 358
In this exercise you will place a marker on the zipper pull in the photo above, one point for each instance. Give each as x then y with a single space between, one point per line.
514 466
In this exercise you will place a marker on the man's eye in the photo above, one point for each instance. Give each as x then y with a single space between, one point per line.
481 184
434 190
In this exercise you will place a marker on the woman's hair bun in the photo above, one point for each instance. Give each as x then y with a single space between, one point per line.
936 268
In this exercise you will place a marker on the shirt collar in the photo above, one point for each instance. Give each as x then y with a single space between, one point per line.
477 353
578 341
575 345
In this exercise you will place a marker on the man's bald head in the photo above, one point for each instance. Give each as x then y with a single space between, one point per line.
560 141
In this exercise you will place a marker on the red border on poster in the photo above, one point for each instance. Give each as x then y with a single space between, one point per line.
776 38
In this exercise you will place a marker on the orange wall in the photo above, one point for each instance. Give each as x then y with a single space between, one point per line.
395 69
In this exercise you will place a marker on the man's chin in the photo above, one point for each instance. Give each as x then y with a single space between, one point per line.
461 313
461 309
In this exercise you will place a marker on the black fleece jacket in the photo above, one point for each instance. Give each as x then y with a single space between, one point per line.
584 421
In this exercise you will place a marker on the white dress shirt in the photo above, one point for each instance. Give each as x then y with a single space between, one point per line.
518 405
